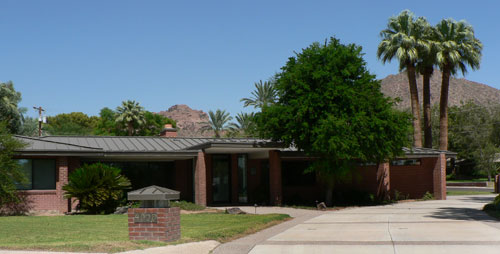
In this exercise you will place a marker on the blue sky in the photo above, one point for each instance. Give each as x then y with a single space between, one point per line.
85 55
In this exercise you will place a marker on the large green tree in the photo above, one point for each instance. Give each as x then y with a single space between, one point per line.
457 48
331 107
218 122
404 39
10 172
74 123
9 110
154 124
131 115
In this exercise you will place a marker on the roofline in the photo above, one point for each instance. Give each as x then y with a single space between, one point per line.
57 142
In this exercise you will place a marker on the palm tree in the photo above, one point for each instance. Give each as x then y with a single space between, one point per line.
403 39
131 114
218 122
457 48
263 95
244 125
425 67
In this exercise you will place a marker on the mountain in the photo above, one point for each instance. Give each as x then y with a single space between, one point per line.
461 90
189 121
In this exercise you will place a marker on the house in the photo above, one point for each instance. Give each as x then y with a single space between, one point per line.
211 171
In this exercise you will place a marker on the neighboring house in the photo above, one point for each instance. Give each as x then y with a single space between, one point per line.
211 171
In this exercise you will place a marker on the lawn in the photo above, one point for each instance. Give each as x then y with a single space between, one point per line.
458 192
109 233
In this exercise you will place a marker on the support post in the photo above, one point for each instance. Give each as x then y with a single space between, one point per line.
439 178
275 187
200 180
383 181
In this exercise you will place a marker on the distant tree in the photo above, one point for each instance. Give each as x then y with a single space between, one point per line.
403 39
9 110
154 124
10 172
106 125
457 48
29 127
131 115
74 123
244 125
217 123
330 107
263 95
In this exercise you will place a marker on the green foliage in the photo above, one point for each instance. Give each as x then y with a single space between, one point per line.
74 123
154 124
495 205
10 172
9 111
98 187
217 123
400 196
331 107
428 196
29 127
263 95
188 206
131 116
106 124
244 127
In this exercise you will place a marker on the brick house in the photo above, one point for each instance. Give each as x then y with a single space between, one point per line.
211 171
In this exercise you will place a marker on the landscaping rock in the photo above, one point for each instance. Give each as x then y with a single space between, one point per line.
121 210
234 211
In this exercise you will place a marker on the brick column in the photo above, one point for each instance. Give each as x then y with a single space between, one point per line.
61 180
439 178
162 224
383 181
275 188
200 180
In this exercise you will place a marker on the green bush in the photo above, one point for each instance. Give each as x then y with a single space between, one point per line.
495 205
428 196
98 187
184 205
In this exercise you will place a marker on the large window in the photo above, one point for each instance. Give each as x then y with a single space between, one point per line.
40 173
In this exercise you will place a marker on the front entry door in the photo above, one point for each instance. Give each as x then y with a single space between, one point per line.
221 176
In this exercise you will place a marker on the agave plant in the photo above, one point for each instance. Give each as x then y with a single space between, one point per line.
98 187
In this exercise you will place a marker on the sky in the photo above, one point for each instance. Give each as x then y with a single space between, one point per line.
81 56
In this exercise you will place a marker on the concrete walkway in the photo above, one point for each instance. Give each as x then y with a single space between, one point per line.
453 226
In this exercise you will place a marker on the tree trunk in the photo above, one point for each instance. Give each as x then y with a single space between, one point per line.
130 128
415 106
427 108
443 110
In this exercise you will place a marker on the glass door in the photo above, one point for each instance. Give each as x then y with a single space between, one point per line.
221 168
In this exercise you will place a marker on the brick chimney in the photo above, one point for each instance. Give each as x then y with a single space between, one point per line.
169 131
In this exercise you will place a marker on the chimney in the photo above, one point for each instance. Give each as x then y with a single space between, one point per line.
168 131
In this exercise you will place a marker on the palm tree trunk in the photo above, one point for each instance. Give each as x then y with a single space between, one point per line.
415 106
427 108
443 110
130 128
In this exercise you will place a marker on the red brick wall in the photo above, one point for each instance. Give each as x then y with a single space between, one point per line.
413 180
439 178
200 179
168 227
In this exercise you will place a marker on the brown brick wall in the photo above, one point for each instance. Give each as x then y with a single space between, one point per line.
439 178
200 180
168 227
413 180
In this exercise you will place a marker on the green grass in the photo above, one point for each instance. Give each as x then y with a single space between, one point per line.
458 193
109 233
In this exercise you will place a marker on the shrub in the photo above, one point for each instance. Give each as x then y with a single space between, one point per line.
495 205
98 187
184 205
20 205
428 196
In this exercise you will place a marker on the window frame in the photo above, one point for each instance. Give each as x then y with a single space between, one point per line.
33 173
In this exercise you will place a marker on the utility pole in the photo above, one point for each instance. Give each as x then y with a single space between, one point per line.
40 119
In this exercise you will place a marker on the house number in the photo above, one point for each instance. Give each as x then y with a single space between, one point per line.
145 218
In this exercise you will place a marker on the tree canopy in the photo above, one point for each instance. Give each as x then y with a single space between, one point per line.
331 107
9 110
10 172
74 123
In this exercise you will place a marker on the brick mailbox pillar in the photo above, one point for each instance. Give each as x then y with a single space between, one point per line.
155 220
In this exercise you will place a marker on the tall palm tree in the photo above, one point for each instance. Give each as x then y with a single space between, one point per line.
131 114
244 125
403 39
263 95
218 122
425 67
457 48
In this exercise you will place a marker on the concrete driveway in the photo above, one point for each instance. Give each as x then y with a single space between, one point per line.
453 226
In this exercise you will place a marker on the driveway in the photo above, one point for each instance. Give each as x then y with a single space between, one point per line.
453 226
